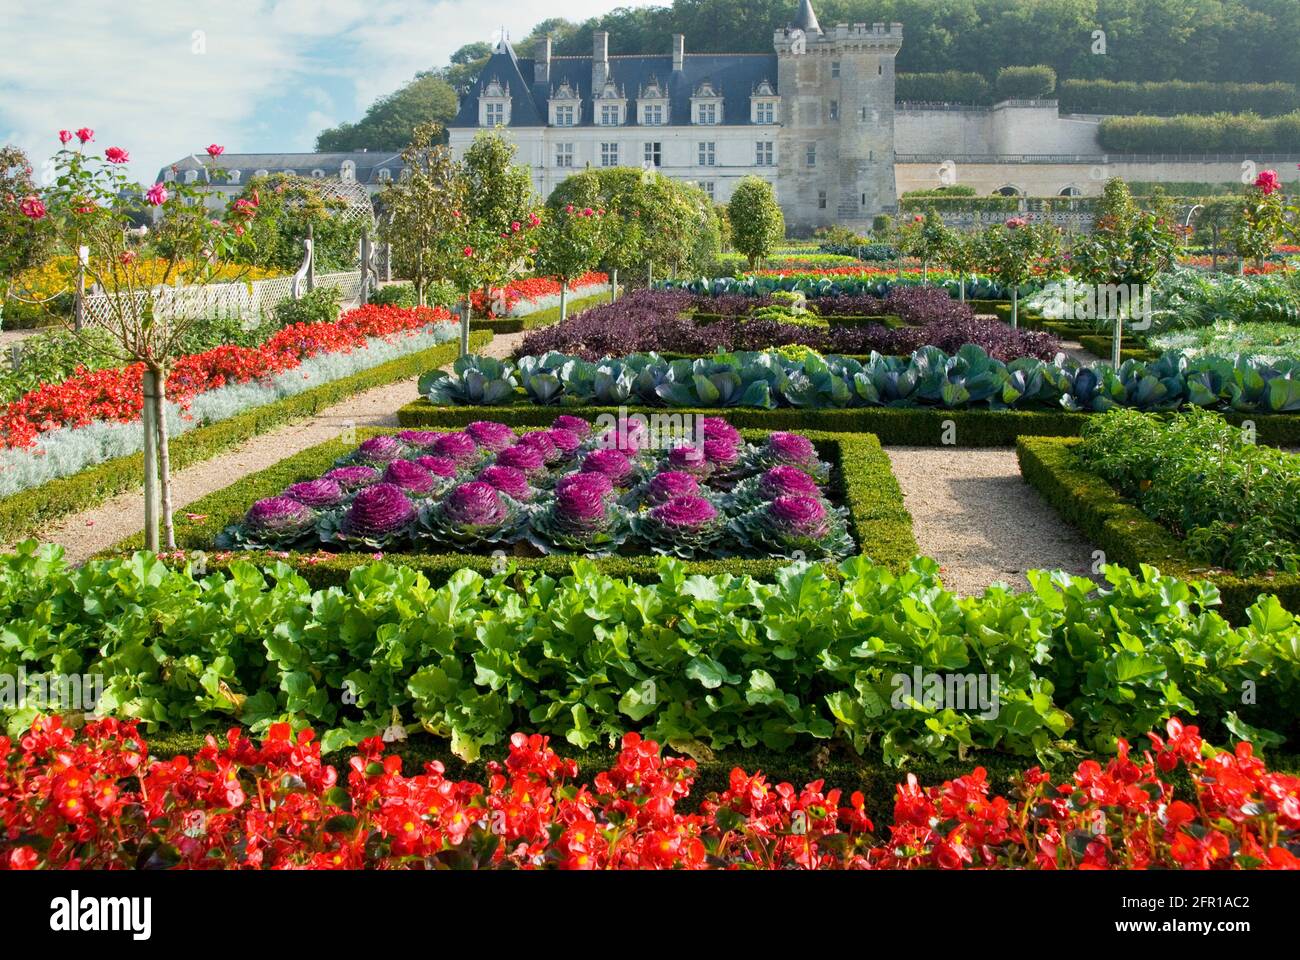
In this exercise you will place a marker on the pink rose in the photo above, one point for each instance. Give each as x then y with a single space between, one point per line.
215 151
85 134
1268 182
116 155
64 136
156 195
33 208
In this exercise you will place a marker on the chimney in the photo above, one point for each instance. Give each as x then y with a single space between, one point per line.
599 61
542 61
679 52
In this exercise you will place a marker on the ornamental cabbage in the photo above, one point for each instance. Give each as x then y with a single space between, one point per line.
379 451
527 459
796 528
354 477
423 439
381 516
491 435
612 463
684 526
779 481
473 513
438 466
276 523
317 494
580 518
509 480
791 449
459 447
412 477
573 424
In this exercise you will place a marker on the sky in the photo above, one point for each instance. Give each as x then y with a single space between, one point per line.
166 79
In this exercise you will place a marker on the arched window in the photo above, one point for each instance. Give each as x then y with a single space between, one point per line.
234 176
169 176
318 173
191 176
1007 191
1071 191
348 171
260 173
290 173
385 175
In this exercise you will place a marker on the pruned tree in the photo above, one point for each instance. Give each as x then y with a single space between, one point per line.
757 225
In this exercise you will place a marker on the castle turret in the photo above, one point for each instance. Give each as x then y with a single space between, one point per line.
837 120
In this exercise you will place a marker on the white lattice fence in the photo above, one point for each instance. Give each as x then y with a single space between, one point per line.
246 301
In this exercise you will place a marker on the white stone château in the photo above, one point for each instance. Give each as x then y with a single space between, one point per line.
815 117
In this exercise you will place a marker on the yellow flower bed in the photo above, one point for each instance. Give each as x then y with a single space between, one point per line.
56 278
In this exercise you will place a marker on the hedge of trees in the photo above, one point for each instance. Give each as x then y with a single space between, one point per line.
1174 97
1217 133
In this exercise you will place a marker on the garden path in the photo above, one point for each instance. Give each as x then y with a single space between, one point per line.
84 534
974 514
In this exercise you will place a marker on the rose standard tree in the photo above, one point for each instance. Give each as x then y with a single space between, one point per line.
1260 220
1015 251
26 240
570 242
1128 247
499 198
90 208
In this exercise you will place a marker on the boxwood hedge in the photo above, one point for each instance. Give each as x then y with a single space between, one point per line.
894 426
1126 535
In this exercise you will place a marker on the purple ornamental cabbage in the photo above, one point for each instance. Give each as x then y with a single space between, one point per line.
438 466
581 517
715 428
527 459
786 481
612 463
541 441
474 513
278 521
458 446
317 494
423 439
509 480
630 436
599 480
691 459
573 424
411 477
685 526
353 478
791 449
491 435
475 503
723 454
797 527
663 487
379 515
381 450
567 441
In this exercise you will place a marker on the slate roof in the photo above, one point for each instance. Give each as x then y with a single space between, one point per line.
368 163
733 75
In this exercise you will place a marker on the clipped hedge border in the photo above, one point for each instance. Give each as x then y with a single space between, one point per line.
862 479
1126 535
26 511
894 426
1100 345
542 318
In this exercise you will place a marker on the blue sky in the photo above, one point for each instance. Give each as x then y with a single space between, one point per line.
164 79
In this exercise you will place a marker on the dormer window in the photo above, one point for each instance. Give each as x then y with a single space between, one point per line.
260 173
763 103
291 173
565 105
318 174
233 175
706 104
609 106
652 104
385 175
191 176
494 104
347 171
169 176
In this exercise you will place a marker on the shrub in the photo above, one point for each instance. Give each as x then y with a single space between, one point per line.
316 306
1172 97
951 86
1024 83
1218 133
395 295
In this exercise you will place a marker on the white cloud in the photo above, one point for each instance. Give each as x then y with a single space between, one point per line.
163 79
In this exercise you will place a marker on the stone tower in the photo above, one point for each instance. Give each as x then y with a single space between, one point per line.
836 156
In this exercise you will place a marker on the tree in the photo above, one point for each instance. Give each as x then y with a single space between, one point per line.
1212 221
1128 247
962 254
421 207
92 206
757 225
925 237
570 243
1260 219
1014 251
288 208
498 196
390 121
25 242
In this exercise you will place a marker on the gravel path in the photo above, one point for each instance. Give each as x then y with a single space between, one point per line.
974 514
90 531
